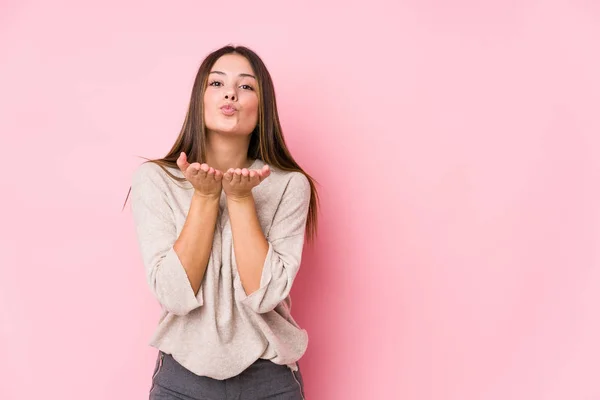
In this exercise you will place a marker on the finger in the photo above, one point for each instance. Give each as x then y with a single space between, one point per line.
254 178
229 175
182 162
237 176
218 175
264 172
194 168
203 170
245 176
210 174
253 175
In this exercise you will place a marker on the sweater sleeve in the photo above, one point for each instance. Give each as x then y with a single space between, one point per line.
286 241
156 233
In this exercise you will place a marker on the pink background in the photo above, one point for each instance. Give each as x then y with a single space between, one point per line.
457 148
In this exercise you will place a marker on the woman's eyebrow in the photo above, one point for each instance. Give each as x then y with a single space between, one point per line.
242 74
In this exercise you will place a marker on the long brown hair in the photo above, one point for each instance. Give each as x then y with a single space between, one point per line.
266 141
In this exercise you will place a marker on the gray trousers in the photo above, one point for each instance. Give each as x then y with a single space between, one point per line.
262 380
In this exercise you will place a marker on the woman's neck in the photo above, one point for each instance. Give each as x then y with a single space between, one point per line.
224 152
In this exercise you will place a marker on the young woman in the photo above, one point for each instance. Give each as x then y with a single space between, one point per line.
221 222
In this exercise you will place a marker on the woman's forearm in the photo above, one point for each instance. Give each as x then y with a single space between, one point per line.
194 244
249 242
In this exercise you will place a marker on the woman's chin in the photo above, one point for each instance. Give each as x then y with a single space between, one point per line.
230 131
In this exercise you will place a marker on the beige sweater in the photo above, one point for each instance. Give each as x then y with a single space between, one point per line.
221 331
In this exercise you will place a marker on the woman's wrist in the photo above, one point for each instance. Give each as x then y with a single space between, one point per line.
206 197
240 198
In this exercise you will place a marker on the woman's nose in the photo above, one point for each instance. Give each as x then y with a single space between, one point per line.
230 95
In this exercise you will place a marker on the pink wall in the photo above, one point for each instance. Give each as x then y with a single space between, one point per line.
457 145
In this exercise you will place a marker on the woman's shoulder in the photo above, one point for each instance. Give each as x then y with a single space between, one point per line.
150 171
289 181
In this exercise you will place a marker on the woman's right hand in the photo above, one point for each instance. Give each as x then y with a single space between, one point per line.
205 180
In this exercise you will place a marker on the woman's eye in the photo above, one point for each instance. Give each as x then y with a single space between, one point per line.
215 83
248 87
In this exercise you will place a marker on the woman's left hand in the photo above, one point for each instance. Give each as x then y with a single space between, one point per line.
238 183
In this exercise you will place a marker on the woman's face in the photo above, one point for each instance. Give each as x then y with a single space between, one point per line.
231 97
